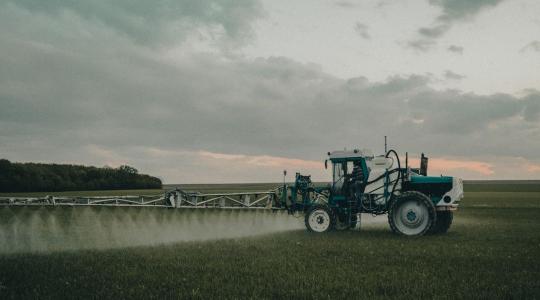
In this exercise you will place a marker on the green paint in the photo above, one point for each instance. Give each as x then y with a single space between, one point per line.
431 179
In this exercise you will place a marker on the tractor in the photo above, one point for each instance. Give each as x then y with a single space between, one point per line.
416 204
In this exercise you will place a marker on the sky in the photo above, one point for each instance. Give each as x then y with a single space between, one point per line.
198 91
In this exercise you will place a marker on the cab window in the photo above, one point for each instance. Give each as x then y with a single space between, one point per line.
340 170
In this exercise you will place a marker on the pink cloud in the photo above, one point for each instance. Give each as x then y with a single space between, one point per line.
264 160
105 155
444 164
435 164
228 163
532 168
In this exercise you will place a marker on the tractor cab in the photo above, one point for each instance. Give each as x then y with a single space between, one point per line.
349 171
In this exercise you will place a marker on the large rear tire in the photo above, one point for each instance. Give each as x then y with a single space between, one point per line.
320 218
412 214
444 220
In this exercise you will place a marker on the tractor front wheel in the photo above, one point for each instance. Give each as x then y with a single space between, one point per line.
412 214
320 218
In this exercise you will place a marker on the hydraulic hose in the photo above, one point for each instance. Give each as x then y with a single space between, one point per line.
398 170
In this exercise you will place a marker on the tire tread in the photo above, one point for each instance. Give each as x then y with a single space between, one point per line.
328 210
444 221
418 195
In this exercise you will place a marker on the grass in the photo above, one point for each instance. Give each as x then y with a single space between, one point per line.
491 251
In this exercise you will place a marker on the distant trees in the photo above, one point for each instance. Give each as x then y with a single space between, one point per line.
128 169
37 177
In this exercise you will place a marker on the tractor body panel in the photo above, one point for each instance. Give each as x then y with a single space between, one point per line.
444 191
450 200
431 179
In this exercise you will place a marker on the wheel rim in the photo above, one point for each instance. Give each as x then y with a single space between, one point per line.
319 220
411 217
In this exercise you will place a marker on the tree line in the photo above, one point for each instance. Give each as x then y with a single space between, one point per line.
39 177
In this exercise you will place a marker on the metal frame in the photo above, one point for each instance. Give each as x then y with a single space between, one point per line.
252 200
143 200
172 199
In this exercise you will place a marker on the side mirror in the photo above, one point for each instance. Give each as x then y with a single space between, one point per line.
326 163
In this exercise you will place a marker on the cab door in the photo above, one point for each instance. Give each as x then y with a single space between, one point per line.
340 175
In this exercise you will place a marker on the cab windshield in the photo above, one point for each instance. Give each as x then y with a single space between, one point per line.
340 172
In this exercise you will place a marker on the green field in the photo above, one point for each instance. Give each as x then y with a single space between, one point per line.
491 251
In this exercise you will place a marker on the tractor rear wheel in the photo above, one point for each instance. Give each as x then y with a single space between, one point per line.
320 218
444 220
412 214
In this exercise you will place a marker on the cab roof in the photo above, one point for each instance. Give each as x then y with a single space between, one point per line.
344 154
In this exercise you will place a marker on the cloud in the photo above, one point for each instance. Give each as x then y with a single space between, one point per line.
156 22
452 11
532 46
421 45
263 160
453 76
533 168
345 4
177 165
106 156
455 49
464 114
362 30
434 32
531 110
445 165
75 88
